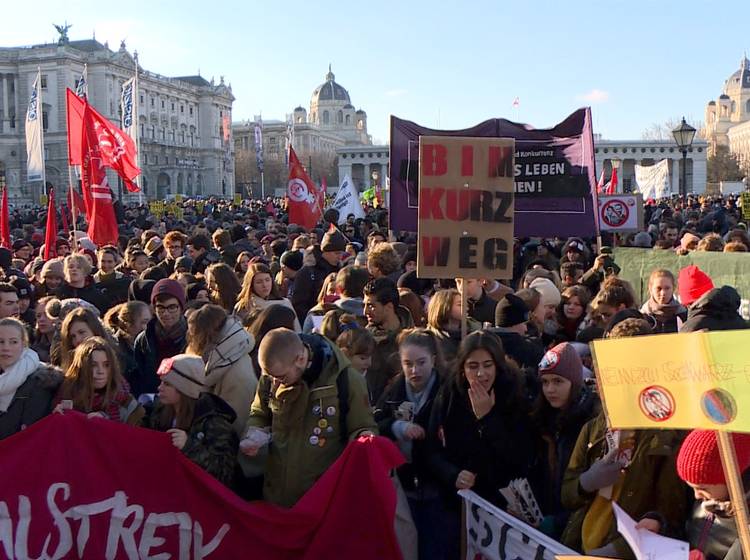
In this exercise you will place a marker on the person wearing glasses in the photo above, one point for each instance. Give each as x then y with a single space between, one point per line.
165 335
479 434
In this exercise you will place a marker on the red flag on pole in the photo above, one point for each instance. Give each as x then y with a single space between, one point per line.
304 204
74 108
612 186
50 237
102 221
5 221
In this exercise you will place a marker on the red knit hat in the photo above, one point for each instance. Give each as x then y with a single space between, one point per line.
699 461
693 283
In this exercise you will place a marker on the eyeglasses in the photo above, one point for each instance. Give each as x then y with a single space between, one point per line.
173 308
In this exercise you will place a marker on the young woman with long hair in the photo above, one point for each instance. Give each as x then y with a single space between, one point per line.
94 385
45 330
444 319
259 291
126 321
572 312
223 286
78 326
668 313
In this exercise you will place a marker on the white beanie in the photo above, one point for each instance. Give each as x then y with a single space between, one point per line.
549 292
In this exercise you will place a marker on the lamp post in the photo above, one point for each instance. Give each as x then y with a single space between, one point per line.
683 136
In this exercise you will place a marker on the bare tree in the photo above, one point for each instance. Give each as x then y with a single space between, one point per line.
663 131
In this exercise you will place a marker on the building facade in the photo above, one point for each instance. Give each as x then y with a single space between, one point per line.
728 117
184 133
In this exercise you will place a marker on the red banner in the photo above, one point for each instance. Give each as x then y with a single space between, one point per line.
304 200
79 488
5 221
50 236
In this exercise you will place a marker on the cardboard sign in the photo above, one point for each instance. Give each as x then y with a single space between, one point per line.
676 381
621 213
746 205
465 226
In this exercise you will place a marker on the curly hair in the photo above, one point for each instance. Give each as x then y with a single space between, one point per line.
383 258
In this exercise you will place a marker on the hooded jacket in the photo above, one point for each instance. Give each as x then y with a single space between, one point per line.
147 358
716 310
308 282
32 401
229 370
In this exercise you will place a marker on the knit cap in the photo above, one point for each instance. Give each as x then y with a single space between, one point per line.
183 262
292 259
699 460
563 360
692 284
53 267
549 292
185 373
141 290
510 311
333 241
168 287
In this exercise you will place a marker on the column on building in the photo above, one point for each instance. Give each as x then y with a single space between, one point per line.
6 108
676 162
367 178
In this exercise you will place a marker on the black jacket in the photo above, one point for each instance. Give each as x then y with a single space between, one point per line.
308 282
148 354
89 293
497 448
483 309
414 476
716 310
525 351
32 401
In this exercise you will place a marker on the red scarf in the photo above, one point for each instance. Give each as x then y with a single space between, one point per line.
112 409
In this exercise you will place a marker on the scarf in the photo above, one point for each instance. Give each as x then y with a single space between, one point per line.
111 408
15 376
174 334
663 313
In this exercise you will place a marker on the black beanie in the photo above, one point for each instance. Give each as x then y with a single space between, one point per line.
140 290
510 311
292 259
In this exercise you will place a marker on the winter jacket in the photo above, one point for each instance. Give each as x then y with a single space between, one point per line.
148 355
527 352
308 282
32 401
650 483
229 370
483 309
450 340
167 266
305 420
497 448
716 310
668 319
205 260
89 293
211 443
114 289
385 362
127 358
556 439
414 476
352 306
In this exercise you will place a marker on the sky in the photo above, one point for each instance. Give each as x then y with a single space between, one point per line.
441 64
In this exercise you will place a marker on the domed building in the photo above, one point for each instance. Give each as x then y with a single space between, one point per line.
728 117
331 109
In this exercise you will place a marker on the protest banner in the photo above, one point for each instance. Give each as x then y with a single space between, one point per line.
492 534
347 201
653 180
555 181
71 490
725 269
621 213
465 208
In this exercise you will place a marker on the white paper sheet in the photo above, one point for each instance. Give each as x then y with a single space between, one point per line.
647 545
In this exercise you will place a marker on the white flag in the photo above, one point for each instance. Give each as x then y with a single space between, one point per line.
653 180
82 87
34 147
126 104
347 201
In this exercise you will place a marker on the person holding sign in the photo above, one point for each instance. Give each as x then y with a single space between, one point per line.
479 436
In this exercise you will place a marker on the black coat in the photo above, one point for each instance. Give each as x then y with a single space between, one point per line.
497 448
32 401
483 309
148 355
89 293
415 475
527 352
715 310
308 282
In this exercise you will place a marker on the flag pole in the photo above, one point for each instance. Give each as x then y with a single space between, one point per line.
40 112
136 130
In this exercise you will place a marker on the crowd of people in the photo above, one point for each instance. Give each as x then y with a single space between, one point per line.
262 349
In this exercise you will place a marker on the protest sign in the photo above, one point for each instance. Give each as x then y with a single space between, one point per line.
465 208
237 199
554 174
725 269
746 205
70 490
621 213
676 381
653 180
347 201
493 534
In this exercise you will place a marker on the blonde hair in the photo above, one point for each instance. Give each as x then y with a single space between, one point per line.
82 263
13 322
439 308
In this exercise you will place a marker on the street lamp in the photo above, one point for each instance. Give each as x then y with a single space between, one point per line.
683 136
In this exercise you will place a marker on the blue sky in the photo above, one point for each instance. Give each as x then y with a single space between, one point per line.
441 64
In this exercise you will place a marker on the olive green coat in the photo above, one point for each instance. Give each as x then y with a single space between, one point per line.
293 413
651 483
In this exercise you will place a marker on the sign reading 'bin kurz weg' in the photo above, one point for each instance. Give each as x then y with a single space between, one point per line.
465 207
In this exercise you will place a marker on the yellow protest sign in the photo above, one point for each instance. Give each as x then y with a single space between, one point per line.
684 381
237 199
746 205
43 199
178 198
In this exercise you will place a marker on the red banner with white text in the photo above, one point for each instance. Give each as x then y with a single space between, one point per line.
89 488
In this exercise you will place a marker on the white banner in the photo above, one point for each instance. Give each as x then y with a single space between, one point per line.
127 104
347 201
653 180
34 144
495 535
621 213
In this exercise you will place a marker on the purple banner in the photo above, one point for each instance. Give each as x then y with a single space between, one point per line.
555 179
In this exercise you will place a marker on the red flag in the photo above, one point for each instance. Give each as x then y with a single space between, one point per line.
74 108
304 204
64 216
50 237
5 222
612 186
102 221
